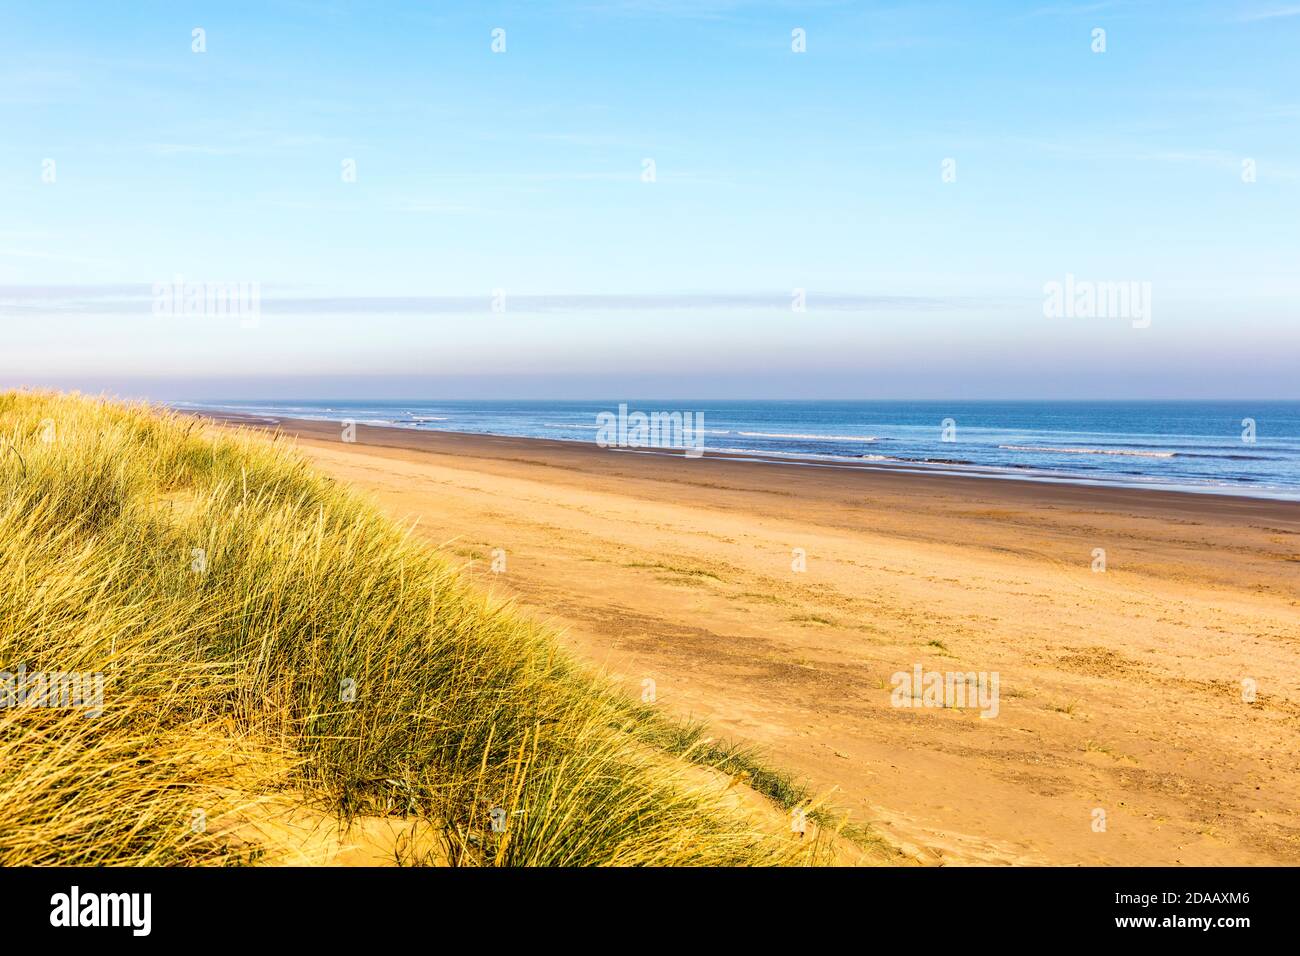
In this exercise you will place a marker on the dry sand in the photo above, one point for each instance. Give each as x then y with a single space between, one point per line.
1120 691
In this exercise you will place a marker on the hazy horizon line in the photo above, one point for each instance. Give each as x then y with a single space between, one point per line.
271 400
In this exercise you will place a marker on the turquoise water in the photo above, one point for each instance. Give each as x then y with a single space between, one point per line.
1195 446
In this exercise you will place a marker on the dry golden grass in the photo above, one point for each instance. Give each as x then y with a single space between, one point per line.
226 673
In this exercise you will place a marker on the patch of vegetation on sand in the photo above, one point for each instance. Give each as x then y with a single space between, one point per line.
264 635
819 620
679 570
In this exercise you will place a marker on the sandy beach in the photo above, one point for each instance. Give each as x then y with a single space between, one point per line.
1124 732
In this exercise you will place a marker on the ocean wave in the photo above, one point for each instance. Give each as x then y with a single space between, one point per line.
1198 454
803 437
1091 451
767 454
592 428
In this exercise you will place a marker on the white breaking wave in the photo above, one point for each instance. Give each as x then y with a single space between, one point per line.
820 456
1091 451
593 428
864 438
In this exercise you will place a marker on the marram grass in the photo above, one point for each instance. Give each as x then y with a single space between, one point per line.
265 635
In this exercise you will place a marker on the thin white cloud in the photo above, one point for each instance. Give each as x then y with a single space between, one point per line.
47 256
128 298
1273 14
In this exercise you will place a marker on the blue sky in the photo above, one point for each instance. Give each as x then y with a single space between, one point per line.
522 171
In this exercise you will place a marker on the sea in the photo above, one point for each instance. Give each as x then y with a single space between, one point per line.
1247 448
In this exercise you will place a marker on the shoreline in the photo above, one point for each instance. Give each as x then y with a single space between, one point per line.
1072 489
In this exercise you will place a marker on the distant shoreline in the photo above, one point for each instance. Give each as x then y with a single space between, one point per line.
1021 488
